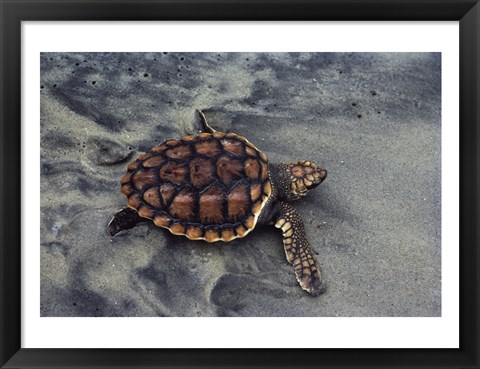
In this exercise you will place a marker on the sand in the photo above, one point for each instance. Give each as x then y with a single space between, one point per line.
373 120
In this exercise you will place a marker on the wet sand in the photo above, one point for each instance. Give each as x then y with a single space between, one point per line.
371 119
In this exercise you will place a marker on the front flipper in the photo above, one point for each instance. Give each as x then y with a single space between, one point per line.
298 250
124 219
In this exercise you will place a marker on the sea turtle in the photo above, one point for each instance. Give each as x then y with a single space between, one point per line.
218 186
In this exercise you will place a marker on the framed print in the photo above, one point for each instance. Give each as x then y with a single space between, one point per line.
244 184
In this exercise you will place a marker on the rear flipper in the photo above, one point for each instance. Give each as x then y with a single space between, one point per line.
298 250
205 126
124 219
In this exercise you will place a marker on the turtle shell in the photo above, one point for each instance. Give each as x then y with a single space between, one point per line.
208 187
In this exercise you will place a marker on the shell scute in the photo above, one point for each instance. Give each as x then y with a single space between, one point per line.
255 191
264 172
211 205
183 205
172 142
252 168
174 172
249 222
229 170
267 189
143 179
152 198
180 152
135 200
227 234
209 148
238 204
201 171
166 192
250 151
133 165
204 135
233 146
241 231
127 189
211 235
257 207
162 220
154 161
189 138
146 212
159 148
145 156
194 233
219 134
177 228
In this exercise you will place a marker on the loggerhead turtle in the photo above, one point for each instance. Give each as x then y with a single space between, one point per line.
218 186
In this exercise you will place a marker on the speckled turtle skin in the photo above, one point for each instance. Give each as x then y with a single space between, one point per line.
218 186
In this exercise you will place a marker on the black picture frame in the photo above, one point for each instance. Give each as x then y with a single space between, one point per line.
467 12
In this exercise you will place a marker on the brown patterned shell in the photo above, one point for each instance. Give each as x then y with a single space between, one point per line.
208 187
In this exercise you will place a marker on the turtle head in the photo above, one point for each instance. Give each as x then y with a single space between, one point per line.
303 176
